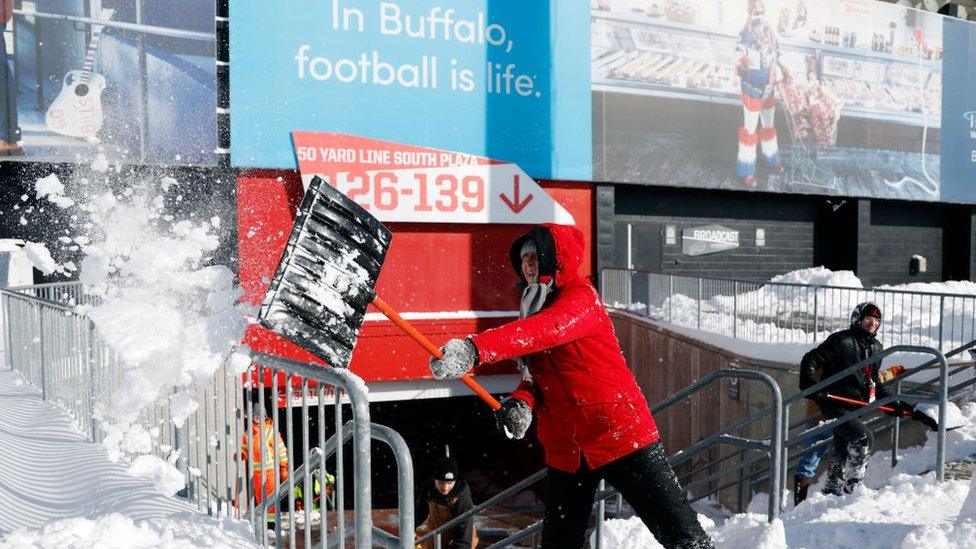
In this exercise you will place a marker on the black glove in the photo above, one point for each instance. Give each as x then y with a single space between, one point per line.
513 418
460 355
925 420
818 397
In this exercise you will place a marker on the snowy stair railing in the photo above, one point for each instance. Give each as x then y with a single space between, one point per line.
767 449
314 463
61 353
318 382
436 533
50 346
941 400
880 425
770 449
786 312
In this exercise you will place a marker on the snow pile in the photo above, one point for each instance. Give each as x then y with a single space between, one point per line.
119 531
59 490
171 317
820 276
788 310
960 444
901 507
163 474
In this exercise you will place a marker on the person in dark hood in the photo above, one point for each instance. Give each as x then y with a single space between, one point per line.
852 440
448 496
593 420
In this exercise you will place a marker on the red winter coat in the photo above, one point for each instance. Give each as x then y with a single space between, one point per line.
585 398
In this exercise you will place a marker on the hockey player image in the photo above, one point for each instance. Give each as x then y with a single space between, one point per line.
593 420
760 68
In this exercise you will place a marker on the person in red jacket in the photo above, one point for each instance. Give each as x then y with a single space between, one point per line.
593 420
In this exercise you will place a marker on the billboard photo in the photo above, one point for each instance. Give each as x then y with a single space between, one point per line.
837 97
124 81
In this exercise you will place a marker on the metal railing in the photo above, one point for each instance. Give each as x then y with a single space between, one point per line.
774 457
880 425
60 351
779 312
771 447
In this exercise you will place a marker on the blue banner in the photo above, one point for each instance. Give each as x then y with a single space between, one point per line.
959 112
505 80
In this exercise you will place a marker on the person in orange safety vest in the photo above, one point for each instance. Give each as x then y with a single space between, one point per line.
268 455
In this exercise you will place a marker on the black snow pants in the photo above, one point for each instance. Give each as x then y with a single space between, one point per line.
647 482
852 443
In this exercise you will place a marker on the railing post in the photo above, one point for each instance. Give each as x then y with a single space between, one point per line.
786 452
735 309
896 430
40 323
181 445
670 295
816 321
699 302
92 374
941 310
600 515
739 495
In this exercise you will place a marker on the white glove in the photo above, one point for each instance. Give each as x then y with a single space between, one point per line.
460 356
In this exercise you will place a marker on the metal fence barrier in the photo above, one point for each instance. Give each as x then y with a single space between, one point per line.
61 352
771 448
779 312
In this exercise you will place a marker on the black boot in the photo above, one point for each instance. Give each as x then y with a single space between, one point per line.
835 477
801 485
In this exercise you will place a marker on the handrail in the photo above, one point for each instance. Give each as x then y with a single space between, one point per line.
147 29
404 476
776 434
361 431
791 284
46 302
505 494
942 398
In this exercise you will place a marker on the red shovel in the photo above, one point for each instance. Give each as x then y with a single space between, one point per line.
861 403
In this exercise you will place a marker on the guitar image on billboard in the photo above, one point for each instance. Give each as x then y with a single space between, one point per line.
77 110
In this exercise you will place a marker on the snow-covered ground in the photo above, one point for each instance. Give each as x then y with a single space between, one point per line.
59 490
897 508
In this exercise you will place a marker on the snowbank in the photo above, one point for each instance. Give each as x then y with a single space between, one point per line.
59 490
119 531
896 508
777 312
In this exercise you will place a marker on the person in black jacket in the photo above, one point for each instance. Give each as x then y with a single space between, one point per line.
448 496
852 440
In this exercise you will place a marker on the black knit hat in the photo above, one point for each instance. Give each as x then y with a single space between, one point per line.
446 469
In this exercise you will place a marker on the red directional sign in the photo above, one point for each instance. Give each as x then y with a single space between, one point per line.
397 182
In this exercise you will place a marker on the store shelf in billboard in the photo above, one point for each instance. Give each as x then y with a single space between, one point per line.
610 85
868 88
794 42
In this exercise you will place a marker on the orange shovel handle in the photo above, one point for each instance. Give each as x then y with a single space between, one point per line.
420 338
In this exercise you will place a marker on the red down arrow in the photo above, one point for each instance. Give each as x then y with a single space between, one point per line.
514 203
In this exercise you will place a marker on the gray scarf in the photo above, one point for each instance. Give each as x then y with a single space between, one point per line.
533 298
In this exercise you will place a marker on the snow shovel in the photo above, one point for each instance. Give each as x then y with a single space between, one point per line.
326 277
953 413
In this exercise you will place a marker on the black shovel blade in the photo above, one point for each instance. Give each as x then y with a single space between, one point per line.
325 279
